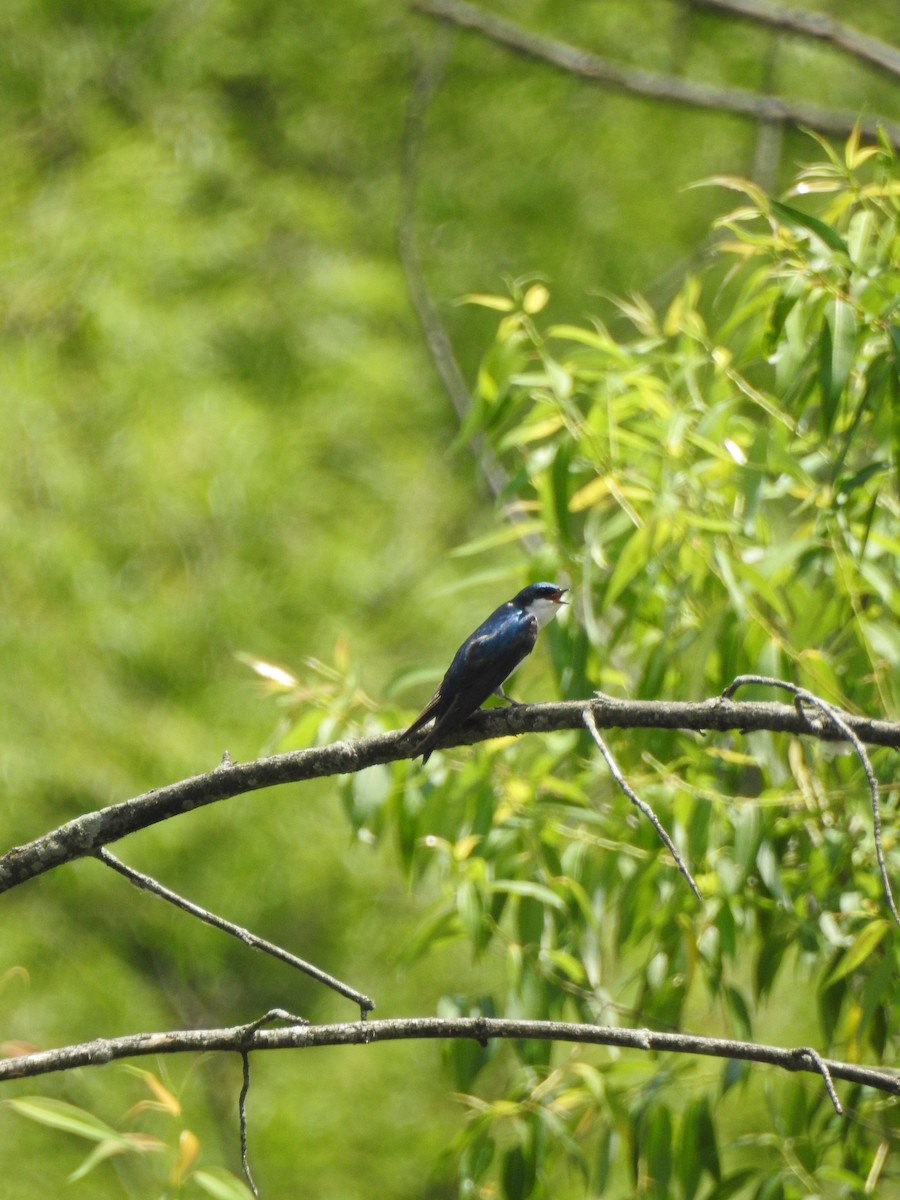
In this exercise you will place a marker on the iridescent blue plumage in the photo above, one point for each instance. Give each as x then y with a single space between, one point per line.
487 658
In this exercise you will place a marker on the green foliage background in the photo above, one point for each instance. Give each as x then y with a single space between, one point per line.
222 435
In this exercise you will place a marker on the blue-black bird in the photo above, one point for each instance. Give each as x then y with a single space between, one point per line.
487 658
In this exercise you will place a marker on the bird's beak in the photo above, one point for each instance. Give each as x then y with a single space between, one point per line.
559 598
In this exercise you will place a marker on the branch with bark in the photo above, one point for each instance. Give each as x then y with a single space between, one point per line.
86 834
653 84
819 25
302 1036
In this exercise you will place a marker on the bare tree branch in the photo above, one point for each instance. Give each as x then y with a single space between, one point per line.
820 25
638 802
148 883
244 1039
274 1014
656 85
87 833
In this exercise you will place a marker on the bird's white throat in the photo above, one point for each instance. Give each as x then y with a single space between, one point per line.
543 611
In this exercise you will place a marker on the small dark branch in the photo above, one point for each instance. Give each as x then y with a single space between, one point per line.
242 1114
433 331
425 83
818 25
237 1040
806 1052
641 804
147 883
839 720
85 835
672 88
274 1014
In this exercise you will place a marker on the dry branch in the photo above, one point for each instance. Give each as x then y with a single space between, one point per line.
822 26
243 1039
657 86
85 834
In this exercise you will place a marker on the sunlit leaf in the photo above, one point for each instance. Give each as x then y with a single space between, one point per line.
221 1185
797 219
498 303
866 941
838 346
59 1114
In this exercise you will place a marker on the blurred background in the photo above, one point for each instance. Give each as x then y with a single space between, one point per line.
223 436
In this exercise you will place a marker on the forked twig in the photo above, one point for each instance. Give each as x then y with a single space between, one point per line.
839 720
635 799
274 1014
807 1052
148 883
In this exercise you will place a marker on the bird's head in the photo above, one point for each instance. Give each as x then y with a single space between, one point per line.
541 601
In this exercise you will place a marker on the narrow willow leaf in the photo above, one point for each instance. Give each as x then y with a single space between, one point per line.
796 219
632 560
857 954
57 1114
221 1185
837 348
498 303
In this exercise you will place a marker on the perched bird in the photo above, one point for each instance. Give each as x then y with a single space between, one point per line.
485 659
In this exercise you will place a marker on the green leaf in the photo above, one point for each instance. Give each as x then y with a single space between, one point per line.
57 1114
862 948
559 477
837 350
709 1147
795 219
768 962
501 536
518 1174
469 905
740 1013
125 1144
687 1153
657 1148
523 887
631 560
476 1158
221 1185
498 303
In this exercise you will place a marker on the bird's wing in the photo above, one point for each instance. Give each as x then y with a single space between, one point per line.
477 674
427 712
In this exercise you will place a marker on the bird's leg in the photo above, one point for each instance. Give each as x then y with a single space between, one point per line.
501 695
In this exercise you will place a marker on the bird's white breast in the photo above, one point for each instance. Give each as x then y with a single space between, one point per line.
543 611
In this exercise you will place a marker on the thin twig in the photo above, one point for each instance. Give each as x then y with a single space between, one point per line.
820 25
85 834
822 1068
242 1113
641 804
658 86
840 720
148 883
425 83
274 1014
359 1033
